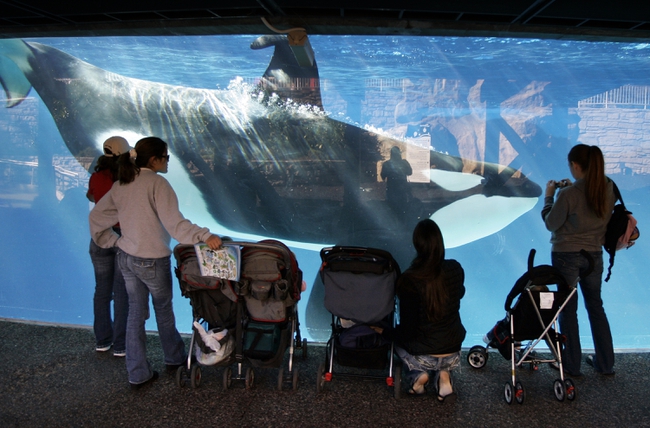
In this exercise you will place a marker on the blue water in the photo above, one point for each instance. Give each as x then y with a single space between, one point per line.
46 273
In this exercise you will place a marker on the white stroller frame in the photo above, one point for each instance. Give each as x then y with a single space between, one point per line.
563 388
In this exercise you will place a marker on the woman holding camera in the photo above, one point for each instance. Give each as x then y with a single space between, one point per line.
577 219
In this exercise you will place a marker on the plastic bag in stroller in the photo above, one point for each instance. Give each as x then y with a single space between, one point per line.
359 286
533 318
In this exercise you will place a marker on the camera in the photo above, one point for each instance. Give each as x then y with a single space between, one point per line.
561 183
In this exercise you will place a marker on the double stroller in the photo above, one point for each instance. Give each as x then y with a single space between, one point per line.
359 288
252 320
533 318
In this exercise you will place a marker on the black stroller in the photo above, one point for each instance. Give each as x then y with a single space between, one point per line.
533 318
259 312
359 288
214 310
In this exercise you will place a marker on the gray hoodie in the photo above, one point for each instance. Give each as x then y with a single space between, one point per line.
147 210
573 225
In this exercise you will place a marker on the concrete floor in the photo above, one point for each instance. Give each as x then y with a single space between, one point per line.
52 377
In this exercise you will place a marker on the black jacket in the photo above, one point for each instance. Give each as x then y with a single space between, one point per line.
416 333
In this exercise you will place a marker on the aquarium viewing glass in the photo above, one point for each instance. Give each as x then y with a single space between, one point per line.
263 147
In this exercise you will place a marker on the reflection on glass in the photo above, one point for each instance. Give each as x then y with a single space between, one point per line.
298 153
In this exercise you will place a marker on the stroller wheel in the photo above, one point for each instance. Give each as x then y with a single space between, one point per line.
280 378
508 393
295 379
477 357
559 388
195 376
520 394
570 389
180 378
320 378
227 378
250 378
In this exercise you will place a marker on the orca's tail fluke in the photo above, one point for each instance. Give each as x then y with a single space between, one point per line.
14 54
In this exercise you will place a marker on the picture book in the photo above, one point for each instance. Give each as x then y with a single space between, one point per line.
222 263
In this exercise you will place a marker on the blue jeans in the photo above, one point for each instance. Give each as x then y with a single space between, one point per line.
571 265
144 277
109 286
416 365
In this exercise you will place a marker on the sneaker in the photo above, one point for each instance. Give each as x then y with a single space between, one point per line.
102 348
136 386
119 354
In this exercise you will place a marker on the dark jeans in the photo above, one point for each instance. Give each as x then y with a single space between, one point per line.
573 265
145 277
109 286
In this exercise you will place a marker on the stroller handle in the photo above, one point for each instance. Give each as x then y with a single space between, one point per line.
545 272
531 259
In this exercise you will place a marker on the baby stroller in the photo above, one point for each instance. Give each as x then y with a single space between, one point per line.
533 318
215 315
270 284
259 312
359 288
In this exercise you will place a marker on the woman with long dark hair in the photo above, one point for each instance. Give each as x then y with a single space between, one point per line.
577 220
146 207
430 333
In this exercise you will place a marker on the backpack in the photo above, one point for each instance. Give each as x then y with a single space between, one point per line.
622 231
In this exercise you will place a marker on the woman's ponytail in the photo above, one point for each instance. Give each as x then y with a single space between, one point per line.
127 170
592 162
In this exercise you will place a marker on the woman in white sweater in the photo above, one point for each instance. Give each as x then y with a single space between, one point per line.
146 207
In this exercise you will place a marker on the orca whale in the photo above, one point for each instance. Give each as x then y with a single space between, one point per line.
266 160
264 166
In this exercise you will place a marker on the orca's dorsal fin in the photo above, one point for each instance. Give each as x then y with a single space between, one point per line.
285 77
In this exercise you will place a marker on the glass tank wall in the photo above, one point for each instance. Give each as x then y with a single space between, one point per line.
264 147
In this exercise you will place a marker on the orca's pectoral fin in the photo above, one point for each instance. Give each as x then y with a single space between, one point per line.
13 80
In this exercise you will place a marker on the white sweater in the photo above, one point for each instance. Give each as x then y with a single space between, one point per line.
147 210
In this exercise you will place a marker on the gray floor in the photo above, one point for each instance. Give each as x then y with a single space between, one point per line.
52 377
